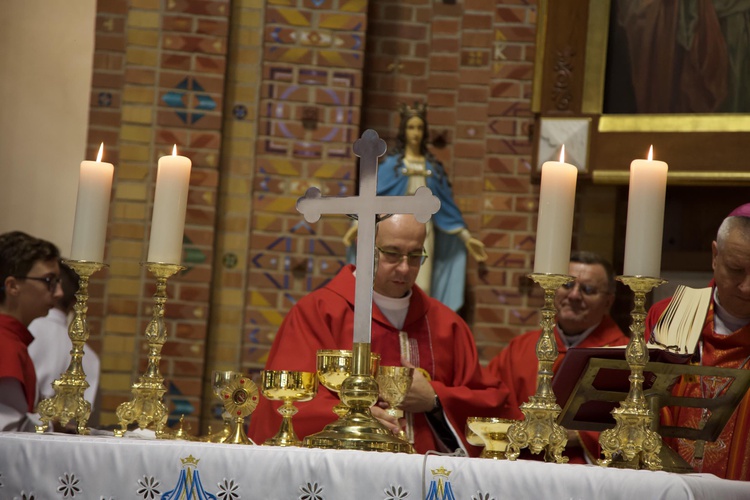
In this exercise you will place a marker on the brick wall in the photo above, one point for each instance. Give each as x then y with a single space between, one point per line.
158 81
267 98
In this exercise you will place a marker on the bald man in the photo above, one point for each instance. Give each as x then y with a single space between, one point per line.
408 328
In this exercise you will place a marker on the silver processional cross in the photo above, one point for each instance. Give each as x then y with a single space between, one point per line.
367 206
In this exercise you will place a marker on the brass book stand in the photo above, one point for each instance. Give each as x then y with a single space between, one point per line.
603 384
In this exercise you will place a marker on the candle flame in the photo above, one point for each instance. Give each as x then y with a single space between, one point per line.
174 150
101 152
562 154
651 153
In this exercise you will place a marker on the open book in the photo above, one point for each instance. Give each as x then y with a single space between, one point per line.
673 340
680 326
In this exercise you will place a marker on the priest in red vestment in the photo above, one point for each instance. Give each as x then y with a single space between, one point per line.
583 320
724 342
408 328
29 285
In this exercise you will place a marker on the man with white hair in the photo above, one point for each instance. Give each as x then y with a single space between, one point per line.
724 342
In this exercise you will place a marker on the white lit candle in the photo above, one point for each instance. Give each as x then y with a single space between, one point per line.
92 209
648 186
170 205
554 229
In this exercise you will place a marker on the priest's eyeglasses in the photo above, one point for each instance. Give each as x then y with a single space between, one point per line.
583 288
393 257
51 281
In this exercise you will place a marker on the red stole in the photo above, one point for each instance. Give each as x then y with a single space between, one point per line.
15 361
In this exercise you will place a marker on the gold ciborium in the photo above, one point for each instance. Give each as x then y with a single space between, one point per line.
393 385
240 397
346 372
632 441
334 366
68 402
492 433
287 386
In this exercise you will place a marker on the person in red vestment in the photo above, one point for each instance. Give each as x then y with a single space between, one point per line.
583 320
724 342
408 328
29 285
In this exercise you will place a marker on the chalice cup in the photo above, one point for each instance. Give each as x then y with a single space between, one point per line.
394 383
334 366
492 432
287 386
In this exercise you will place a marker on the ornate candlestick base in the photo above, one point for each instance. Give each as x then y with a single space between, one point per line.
68 404
147 406
631 439
358 429
539 430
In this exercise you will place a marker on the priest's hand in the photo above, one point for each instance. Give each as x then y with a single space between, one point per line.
389 421
421 395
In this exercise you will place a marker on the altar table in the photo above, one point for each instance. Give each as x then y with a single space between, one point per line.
57 466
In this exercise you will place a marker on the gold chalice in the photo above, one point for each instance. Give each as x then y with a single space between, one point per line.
492 432
287 386
393 385
335 366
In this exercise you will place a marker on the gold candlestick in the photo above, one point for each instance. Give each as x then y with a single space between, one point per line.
68 403
147 406
539 430
631 438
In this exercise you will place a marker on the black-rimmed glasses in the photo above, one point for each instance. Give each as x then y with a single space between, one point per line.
52 281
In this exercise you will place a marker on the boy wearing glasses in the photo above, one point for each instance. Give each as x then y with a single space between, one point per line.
583 320
29 286
408 329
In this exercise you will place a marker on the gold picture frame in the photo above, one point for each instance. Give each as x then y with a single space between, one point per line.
569 78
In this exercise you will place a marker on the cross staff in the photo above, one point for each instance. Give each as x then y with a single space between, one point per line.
367 206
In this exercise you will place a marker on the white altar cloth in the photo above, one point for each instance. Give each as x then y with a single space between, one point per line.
56 466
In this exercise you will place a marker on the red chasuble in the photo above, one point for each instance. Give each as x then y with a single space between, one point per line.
15 361
441 342
517 366
729 456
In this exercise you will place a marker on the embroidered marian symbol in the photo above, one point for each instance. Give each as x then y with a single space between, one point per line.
189 483
440 486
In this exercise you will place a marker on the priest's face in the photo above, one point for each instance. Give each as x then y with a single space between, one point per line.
731 264
395 274
584 302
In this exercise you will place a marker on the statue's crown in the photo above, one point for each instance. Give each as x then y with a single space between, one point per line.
418 109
